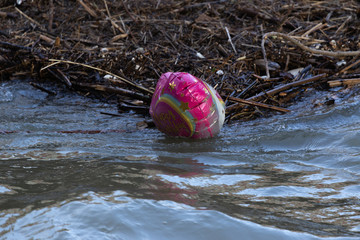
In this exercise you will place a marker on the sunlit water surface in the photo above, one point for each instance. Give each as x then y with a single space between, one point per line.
69 172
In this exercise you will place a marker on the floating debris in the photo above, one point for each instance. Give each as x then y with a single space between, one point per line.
116 50
185 106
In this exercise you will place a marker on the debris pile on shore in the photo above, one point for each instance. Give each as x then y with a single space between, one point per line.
259 55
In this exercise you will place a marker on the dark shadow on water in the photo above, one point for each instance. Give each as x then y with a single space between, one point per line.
185 145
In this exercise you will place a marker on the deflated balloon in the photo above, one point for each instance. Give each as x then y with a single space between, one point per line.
185 106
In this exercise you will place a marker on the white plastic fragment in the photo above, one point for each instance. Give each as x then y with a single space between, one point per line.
317 46
109 77
295 71
199 55
220 72
333 44
140 50
341 63
104 50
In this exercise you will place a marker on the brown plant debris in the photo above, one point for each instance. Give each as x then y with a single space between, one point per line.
117 50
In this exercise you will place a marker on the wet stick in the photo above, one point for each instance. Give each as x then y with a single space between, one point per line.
336 54
140 88
341 82
35 85
349 67
287 86
116 90
279 89
263 105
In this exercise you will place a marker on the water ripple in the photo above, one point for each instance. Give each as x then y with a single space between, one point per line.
293 176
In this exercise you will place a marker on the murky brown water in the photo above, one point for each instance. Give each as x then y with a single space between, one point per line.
286 177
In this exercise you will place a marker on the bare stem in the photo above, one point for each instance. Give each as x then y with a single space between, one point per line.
336 54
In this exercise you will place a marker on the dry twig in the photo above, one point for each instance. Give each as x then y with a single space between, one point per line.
336 54
88 9
142 89
30 19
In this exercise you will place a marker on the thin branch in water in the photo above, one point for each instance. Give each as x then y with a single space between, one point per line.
35 85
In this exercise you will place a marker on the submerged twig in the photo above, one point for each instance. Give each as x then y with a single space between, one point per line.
35 85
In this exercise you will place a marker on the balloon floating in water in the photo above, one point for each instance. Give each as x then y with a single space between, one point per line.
185 106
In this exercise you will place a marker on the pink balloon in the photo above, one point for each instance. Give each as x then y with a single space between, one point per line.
185 106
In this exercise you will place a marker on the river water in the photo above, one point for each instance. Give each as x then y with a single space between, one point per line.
69 172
